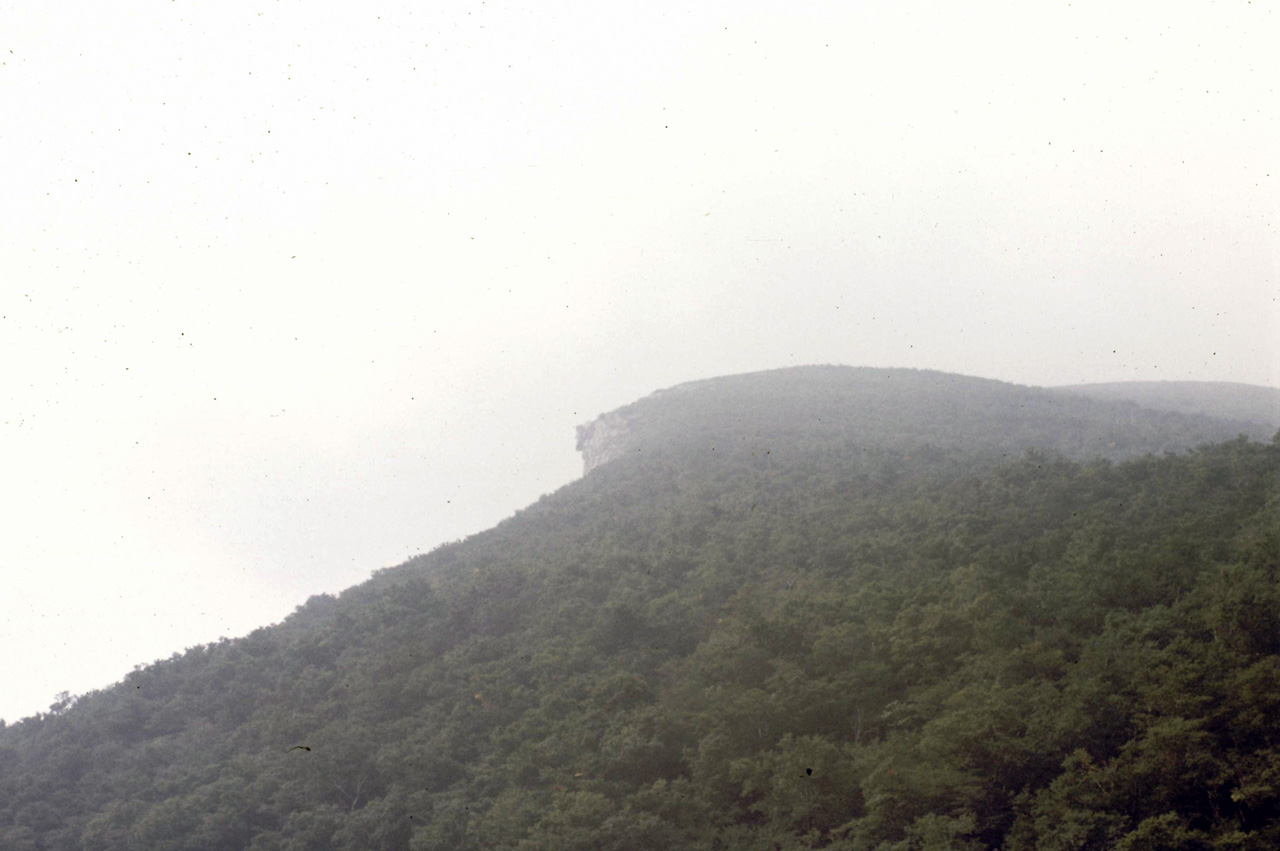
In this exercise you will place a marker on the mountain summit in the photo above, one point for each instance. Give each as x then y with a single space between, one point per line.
904 408
826 607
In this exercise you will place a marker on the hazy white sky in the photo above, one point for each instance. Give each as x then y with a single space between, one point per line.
292 291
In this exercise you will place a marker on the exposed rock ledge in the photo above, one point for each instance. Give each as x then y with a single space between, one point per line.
602 440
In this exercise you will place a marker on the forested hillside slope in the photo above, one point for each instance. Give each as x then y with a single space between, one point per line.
805 609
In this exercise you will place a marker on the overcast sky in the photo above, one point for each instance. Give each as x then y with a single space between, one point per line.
291 291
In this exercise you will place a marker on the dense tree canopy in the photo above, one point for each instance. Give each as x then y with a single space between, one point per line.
802 639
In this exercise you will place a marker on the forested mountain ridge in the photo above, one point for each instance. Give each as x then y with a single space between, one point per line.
1245 403
899 409
758 634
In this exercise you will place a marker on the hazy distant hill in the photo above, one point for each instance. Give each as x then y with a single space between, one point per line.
1227 400
813 608
808 407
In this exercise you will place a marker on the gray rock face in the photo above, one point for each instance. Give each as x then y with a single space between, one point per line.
602 440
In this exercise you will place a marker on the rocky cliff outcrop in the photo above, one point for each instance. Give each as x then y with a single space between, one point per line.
602 440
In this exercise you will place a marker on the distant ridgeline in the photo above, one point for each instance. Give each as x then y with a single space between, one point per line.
835 407
1247 403
814 608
